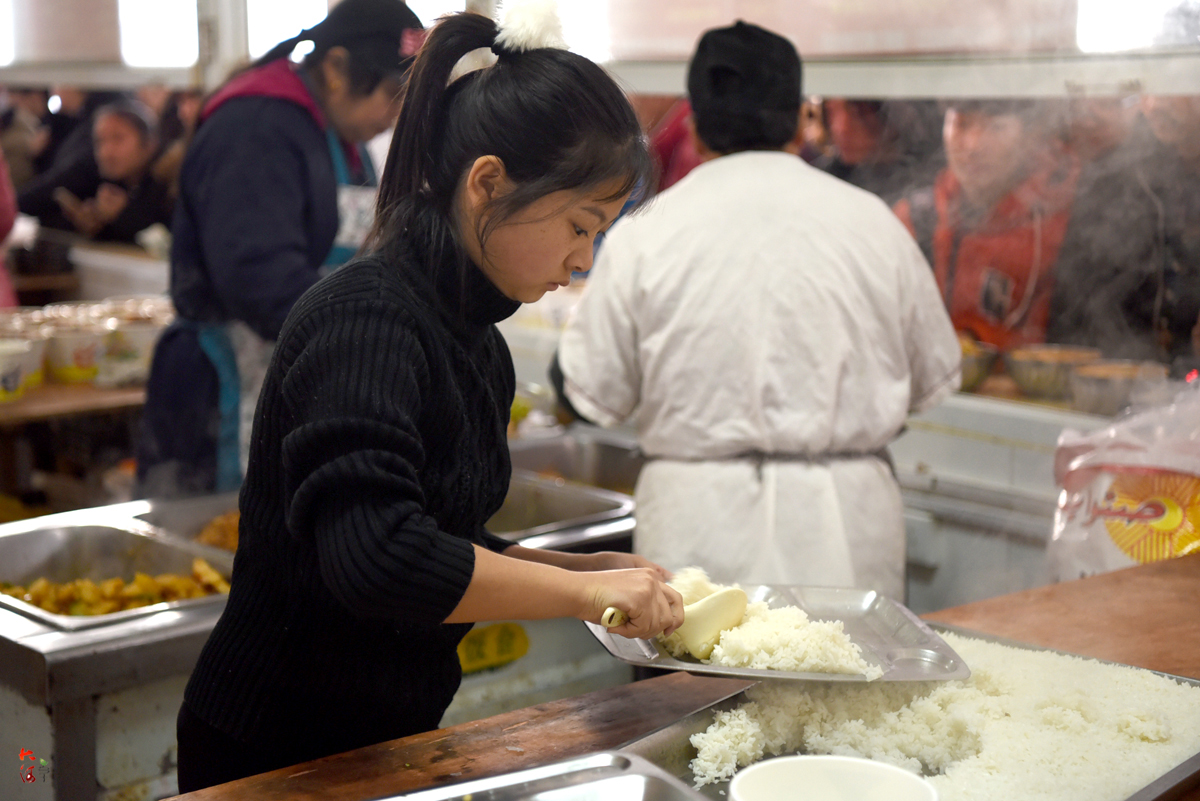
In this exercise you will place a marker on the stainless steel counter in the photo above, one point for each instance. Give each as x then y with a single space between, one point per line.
58 685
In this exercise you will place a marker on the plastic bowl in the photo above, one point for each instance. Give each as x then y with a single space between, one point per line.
73 353
14 354
828 778
35 361
128 350
1044 371
1105 386
977 361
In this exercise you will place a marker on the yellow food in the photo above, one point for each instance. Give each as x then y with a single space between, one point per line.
86 597
969 345
222 531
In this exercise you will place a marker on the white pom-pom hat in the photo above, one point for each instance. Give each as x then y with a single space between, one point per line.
530 25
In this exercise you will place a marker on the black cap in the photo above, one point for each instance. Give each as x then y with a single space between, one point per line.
744 70
385 33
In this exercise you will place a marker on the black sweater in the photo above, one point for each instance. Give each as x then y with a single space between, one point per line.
378 454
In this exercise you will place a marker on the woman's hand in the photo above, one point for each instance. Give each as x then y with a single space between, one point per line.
650 605
614 560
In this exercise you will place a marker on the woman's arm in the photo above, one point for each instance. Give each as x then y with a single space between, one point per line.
523 586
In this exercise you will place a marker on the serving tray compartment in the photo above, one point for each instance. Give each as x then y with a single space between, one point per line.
888 633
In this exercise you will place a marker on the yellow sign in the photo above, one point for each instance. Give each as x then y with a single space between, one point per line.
1153 515
492 646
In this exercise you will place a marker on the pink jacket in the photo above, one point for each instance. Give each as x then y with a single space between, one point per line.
8 215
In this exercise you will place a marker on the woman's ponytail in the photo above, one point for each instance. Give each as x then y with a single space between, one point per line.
422 104
554 119
282 49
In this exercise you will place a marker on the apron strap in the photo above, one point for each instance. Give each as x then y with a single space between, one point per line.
215 342
342 252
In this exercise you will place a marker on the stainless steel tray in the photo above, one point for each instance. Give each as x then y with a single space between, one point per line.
604 776
536 505
185 518
888 633
585 454
670 748
62 553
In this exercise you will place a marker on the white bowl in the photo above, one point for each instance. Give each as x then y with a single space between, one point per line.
828 778
128 350
73 354
14 354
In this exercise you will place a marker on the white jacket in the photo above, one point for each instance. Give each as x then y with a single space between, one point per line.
766 328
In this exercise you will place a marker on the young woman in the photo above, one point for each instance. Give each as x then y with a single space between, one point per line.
379 447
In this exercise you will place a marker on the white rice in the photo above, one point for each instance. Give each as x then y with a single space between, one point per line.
773 639
1027 724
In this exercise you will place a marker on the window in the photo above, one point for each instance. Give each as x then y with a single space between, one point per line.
269 22
585 27
1110 26
428 11
7 40
159 33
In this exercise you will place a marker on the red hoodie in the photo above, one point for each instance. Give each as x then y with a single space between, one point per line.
8 215
997 277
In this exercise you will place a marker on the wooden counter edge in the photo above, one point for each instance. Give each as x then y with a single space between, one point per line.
1144 616
539 735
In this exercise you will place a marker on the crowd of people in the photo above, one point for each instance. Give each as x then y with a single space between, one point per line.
767 324
1065 221
102 164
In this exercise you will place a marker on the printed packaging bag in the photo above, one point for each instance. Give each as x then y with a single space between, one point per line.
1130 492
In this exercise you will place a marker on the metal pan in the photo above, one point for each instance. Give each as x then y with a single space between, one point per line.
888 633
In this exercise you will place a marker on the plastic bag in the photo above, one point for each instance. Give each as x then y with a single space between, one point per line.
1130 492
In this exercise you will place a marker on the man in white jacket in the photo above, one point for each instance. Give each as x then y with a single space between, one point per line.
767 329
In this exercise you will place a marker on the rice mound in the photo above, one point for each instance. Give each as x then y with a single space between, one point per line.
1026 724
773 639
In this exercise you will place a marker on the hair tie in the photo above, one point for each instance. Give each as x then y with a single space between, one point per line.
529 25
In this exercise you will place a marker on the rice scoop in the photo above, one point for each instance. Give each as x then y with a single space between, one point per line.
703 621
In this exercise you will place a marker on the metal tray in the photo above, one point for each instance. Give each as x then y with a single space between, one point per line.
62 553
588 455
604 776
670 747
888 633
185 518
536 505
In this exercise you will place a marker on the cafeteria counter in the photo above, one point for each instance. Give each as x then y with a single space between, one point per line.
97 697
1141 616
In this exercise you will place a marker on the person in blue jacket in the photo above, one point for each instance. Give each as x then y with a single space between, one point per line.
276 189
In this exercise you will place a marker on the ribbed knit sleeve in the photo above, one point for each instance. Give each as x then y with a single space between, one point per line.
350 469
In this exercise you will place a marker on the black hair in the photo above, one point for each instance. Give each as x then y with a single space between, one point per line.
134 112
767 129
744 84
362 75
373 33
556 120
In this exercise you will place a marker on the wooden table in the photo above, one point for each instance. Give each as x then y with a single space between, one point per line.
67 400
1143 616
50 402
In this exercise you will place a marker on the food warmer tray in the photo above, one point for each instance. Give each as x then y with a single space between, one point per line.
670 748
64 551
604 776
888 633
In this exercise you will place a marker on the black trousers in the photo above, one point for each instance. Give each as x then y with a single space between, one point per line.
209 757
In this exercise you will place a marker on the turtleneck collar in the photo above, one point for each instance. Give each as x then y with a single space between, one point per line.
465 296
